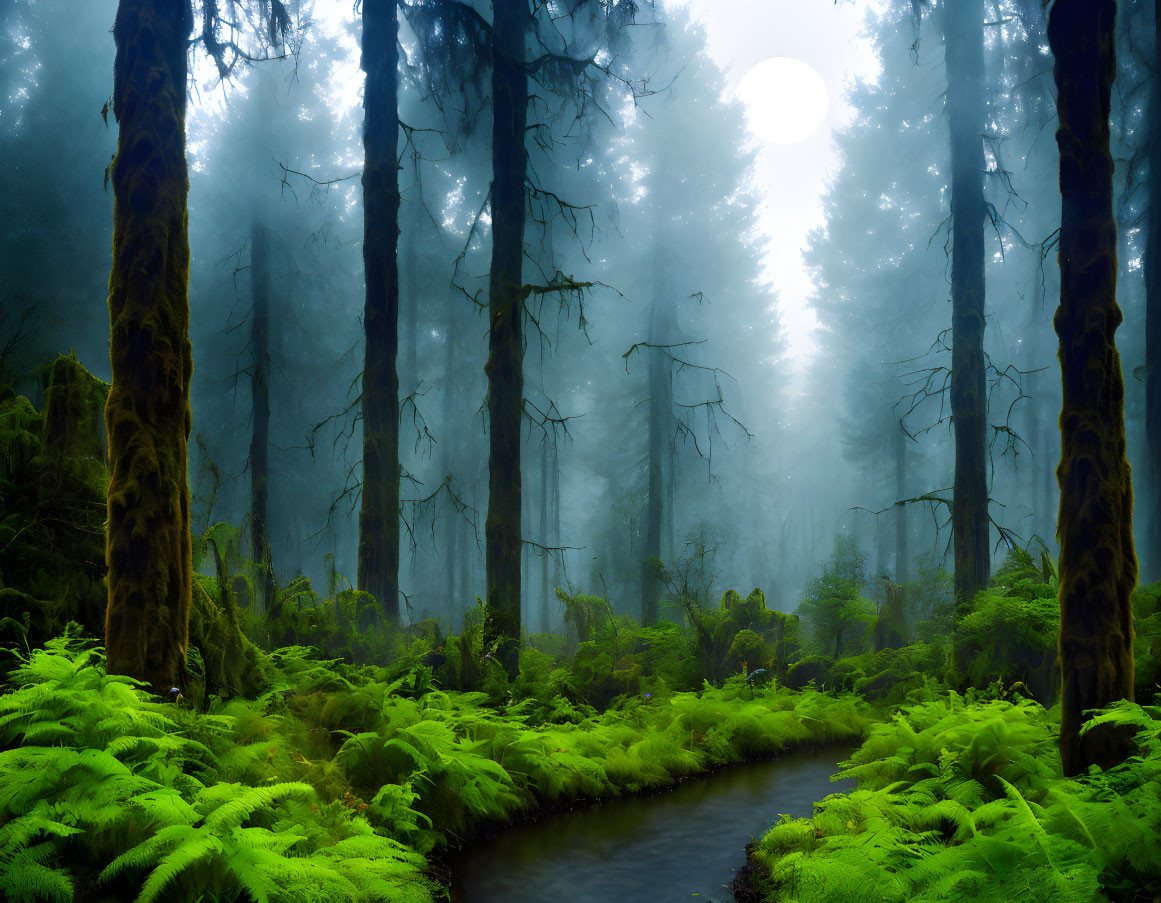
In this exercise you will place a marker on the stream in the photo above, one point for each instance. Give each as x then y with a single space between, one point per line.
679 844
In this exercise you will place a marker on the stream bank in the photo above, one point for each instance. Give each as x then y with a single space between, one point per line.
686 841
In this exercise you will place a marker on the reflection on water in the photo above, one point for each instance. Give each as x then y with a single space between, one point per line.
681 844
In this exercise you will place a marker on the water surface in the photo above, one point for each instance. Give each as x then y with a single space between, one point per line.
681 844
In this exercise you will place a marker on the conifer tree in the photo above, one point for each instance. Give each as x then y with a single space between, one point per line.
505 366
1098 564
379 513
963 31
1152 263
260 407
148 414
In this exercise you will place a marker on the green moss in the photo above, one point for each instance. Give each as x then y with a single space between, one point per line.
53 482
149 553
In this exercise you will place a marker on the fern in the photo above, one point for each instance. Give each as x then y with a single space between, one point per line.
965 802
212 849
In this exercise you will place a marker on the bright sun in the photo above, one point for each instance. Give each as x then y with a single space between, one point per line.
785 100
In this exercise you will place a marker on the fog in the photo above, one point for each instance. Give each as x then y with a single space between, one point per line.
742 350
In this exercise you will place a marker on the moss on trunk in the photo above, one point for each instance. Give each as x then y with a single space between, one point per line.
505 366
1098 565
53 486
379 512
148 415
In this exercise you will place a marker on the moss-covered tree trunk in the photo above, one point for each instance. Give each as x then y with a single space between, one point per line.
1153 321
68 528
260 408
378 569
147 416
1098 565
505 366
964 39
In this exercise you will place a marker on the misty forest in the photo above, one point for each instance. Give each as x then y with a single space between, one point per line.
421 480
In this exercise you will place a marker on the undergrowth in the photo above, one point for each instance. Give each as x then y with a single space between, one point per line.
335 783
966 801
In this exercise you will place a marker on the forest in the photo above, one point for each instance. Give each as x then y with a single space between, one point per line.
417 482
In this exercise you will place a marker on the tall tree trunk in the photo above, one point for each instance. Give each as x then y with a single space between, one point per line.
147 416
558 563
660 411
902 556
1098 565
379 512
526 549
1153 322
1049 452
260 409
964 37
451 533
545 492
410 311
505 366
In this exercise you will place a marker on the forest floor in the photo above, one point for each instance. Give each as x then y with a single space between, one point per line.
335 784
343 782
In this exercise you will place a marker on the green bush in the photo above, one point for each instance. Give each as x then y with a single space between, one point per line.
965 801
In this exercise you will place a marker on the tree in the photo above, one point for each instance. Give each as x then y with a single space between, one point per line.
505 366
260 407
379 512
831 606
662 329
1153 317
1098 564
963 31
147 416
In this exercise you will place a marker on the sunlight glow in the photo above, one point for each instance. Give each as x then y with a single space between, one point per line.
785 98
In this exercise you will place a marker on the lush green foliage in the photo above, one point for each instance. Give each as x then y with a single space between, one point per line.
962 800
336 781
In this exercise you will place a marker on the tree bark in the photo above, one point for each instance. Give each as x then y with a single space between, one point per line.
558 564
1098 565
964 37
451 523
544 537
660 411
260 410
147 416
378 570
902 556
1153 324
505 366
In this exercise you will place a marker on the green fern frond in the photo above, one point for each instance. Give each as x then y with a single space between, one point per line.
200 847
246 801
23 880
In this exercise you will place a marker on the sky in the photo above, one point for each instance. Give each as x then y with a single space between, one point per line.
791 177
